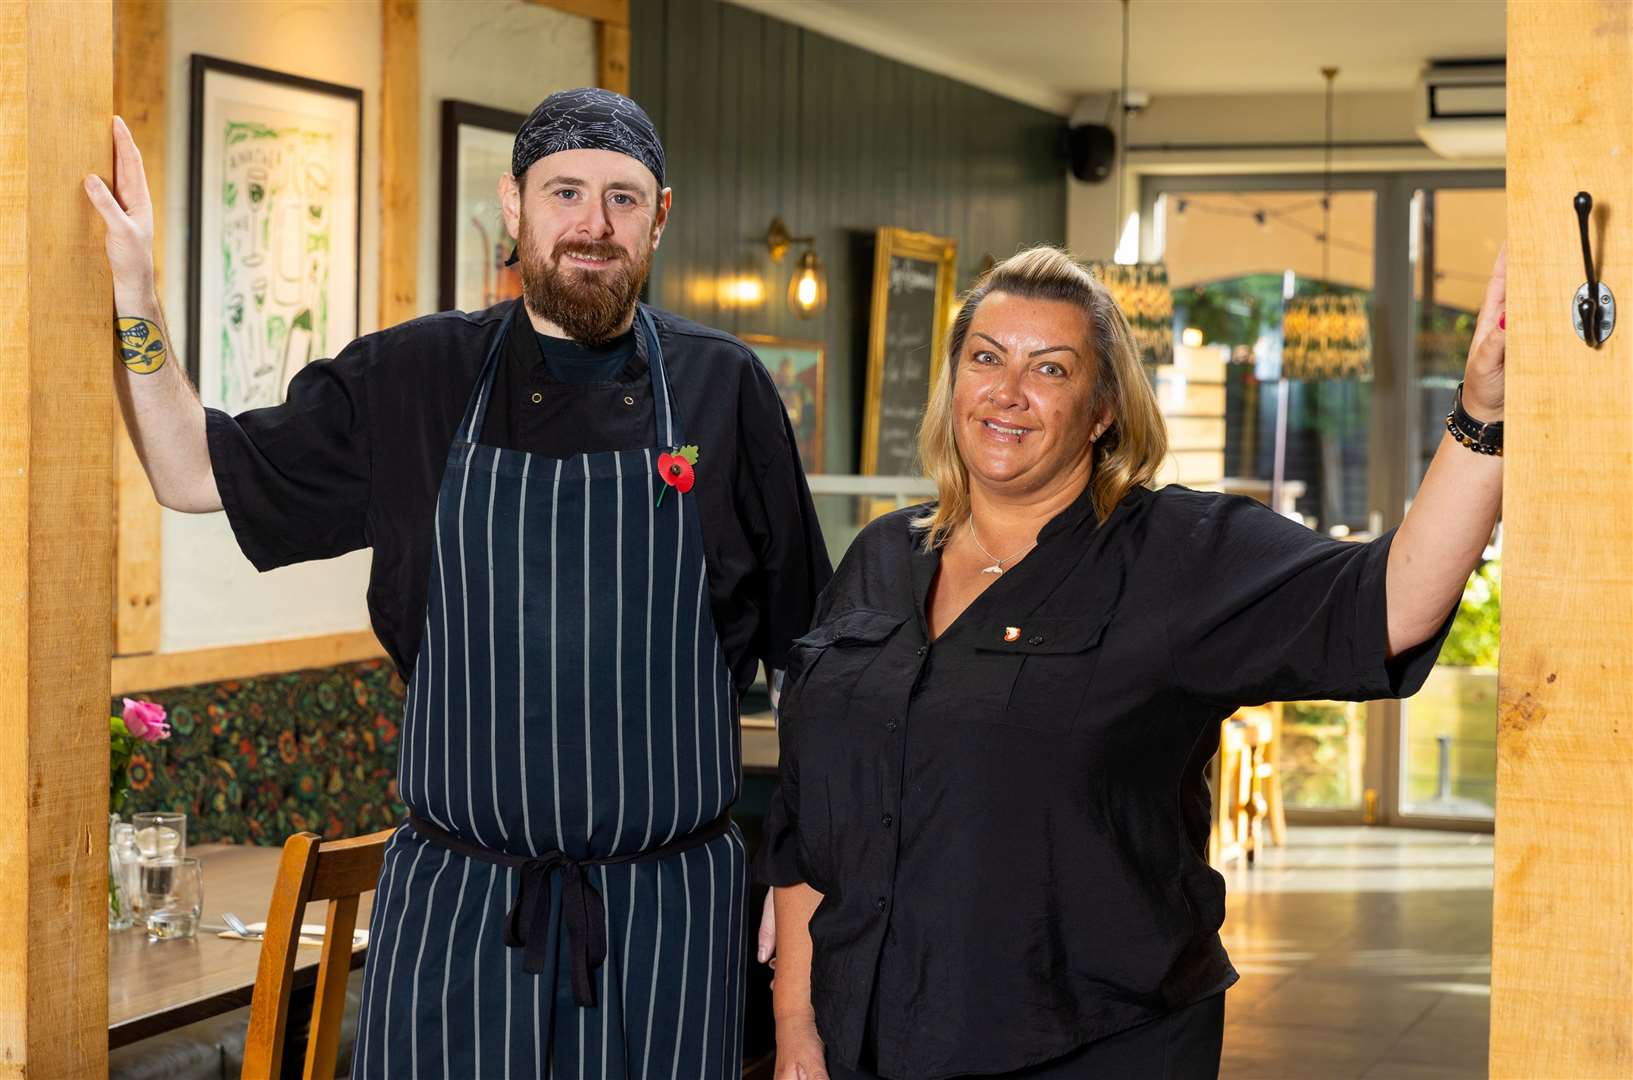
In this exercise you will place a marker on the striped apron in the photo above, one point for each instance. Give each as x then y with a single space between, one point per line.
570 711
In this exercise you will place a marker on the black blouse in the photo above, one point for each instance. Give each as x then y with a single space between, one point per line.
355 455
1009 825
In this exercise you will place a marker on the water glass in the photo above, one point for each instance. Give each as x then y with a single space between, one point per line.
173 897
161 835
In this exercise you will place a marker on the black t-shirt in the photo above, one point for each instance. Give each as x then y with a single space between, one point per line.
1010 824
355 456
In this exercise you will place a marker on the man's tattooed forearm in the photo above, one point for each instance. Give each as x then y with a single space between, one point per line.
141 345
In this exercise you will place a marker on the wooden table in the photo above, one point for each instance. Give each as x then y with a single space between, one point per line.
155 987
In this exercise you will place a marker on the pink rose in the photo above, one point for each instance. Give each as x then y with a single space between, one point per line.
146 720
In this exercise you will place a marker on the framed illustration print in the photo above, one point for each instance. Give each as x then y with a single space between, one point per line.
472 244
799 368
913 281
273 213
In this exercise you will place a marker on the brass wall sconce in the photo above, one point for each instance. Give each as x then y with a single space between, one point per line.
779 239
808 289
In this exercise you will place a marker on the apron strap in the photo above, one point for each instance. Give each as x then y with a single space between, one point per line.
476 409
527 924
663 409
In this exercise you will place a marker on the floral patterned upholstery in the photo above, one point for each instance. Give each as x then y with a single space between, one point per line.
254 760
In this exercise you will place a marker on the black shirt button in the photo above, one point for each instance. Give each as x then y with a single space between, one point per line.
880 904
887 821
537 397
923 649
1035 639
890 725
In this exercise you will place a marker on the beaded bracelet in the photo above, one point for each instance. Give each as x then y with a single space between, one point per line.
1480 437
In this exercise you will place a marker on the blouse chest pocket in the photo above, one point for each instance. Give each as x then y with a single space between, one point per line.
1051 662
834 656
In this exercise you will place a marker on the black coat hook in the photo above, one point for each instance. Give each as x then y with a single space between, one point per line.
1594 315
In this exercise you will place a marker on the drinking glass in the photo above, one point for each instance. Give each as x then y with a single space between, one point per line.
173 896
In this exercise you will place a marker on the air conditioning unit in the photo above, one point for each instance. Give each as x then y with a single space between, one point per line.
1462 108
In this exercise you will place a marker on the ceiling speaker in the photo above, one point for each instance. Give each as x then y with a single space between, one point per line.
1093 149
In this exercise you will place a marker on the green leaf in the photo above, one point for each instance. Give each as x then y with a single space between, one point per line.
689 453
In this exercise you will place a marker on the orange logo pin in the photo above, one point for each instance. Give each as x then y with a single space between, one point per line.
1012 633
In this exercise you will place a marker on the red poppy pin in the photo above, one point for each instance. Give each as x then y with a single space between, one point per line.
677 469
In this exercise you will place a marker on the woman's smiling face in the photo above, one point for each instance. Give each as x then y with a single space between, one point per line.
1023 395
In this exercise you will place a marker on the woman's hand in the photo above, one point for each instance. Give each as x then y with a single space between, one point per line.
799 1050
766 944
1483 373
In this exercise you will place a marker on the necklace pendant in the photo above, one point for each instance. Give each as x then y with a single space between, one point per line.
993 569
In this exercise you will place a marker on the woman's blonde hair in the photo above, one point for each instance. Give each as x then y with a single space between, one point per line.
1129 452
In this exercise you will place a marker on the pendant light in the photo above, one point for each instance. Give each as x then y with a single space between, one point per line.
1328 335
1139 288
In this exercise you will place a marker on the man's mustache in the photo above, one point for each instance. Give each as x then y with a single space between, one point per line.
589 250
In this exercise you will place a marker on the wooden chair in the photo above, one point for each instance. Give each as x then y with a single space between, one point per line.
1247 786
340 872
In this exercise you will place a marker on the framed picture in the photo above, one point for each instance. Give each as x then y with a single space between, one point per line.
274 218
800 370
472 244
914 277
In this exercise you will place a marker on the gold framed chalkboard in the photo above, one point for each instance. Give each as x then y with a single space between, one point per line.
914 277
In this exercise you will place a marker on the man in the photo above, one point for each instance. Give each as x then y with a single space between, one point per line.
589 527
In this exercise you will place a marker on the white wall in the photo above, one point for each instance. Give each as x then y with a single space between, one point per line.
500 53
1380 116
210 594
504 53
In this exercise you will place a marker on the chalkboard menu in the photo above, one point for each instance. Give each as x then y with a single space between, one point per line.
913 282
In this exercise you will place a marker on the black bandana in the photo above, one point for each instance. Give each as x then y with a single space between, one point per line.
587 119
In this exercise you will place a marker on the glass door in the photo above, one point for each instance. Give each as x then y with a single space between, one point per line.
1445 744
1344 456
1238 250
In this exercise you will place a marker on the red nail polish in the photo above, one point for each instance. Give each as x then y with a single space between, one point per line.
1502 321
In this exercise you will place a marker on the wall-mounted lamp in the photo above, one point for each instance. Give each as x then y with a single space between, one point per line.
808 290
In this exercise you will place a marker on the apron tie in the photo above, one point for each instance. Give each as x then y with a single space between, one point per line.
527 925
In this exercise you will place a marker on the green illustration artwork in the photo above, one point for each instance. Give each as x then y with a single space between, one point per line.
277 202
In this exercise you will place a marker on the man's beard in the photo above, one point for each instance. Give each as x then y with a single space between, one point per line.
590 306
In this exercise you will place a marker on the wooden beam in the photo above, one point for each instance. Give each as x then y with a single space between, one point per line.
615 12
163 670
56 530
141 32
1561 980
611 18
399 161
612 57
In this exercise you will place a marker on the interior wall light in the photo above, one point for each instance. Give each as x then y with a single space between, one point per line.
808 289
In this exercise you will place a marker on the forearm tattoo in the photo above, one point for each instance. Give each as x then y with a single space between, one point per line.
141 345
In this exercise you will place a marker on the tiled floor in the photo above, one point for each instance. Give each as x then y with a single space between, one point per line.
1365 954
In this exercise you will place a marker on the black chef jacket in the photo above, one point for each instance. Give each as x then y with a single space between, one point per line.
355 455
1009 826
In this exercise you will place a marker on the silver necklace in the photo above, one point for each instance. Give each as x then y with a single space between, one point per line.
997 566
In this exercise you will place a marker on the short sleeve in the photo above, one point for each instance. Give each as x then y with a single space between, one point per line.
1263 609
792 559
295 478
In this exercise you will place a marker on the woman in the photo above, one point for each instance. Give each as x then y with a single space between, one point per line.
994 740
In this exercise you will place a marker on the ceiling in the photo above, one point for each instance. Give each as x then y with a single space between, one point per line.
1049 52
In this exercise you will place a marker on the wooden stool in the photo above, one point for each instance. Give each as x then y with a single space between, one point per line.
1246 786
